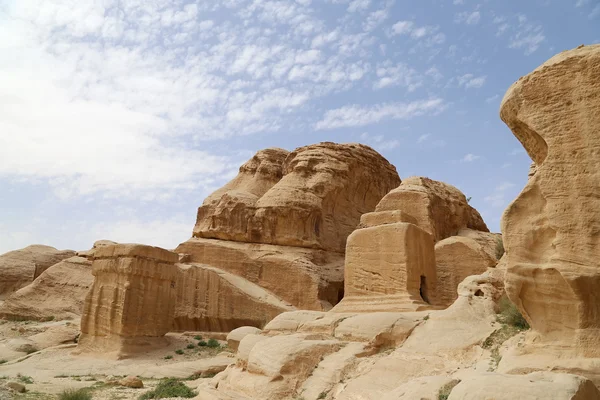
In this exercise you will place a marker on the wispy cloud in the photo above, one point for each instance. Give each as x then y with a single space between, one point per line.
469 81
390 75
497 198
470 158
355 115
429 33
469 18
524 34
379 142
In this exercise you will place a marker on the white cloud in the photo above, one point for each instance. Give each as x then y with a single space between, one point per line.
470 81
595 12
517 151
430 34
397 75
423 137
581 3
379 142
375 19
358 5
469 18
524 34
434 73
492 99
497 198
355 115
458 2
470 158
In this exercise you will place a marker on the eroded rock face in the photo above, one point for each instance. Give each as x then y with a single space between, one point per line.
132 301
552 230
20 267
312 197
58 293
391 259
439 208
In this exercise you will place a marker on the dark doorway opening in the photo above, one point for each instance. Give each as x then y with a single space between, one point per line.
423 289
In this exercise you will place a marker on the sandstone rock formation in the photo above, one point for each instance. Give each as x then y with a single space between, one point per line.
58 293
391 262
312 197
551 231
132 301
439 208
281 224
20 267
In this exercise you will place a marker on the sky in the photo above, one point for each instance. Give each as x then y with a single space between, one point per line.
118 117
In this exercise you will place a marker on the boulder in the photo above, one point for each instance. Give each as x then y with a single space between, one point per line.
131 304
58 293
551 230
132 382
235 336
55 336
21 267
16 386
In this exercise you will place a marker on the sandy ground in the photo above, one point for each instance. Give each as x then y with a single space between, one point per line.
50 371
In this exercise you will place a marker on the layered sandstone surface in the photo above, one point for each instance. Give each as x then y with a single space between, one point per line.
282 224
392 261
312 197
132 301
552 230
58 293
19 268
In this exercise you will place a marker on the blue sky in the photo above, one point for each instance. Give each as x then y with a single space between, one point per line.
117 118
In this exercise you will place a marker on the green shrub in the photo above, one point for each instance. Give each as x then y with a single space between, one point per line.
202 343
499 248
179 351
191 346
509 314
197 337
75 394
168 388
25 379
3 362
213 343
168 357
445 390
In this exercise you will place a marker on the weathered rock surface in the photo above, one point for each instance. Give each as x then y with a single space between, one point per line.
551 231
58 293
390 267
131 304
235 336
312 197
306 278
438 208
20 267
210 299
97 244
539 385
457 258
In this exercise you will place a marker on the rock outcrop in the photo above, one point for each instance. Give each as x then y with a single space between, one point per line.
439 208
131 304
391 262
20 267
312 197
282 224
552 230
58 293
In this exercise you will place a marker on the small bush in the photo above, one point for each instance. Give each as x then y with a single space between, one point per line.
3 362
202 343
191 346
75 394
322 395
510 315
197 337
25 379
168 388
213 343
445 390
168 357
179 351
499 248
